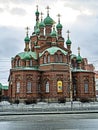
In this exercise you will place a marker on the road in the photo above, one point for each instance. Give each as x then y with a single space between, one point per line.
50 122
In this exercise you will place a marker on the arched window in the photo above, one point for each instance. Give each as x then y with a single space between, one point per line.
56 58
31 63
86 86
48 58
18 87
29 87
60 58
18 63
44 59
47 87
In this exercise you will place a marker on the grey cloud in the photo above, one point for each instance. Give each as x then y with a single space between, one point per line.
18 11
11 40
1 10
16 1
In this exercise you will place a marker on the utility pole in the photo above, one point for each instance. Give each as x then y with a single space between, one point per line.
70 83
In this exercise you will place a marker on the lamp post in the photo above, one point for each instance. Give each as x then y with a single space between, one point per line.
70 84
11 91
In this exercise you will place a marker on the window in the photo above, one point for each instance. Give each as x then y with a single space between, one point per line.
18 63
44 59
29 87
56 58
31 63
39 88
75 89
59 86
60 58
18 87
47 87
48 58
86 86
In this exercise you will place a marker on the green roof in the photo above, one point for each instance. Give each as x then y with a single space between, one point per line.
48 20
52 50
41 24
37 13
27 39
25 68
79 59
27 55
59 26
73 56
3 87
37 31
53 33
68 42
81 70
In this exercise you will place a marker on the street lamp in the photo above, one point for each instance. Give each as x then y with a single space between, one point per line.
11 91
70 83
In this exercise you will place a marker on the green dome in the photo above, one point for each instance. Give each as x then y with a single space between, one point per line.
52 50
79 59
68 42
27 55
59 26
53 33
37 31
48 21
27 39
41 25
37 13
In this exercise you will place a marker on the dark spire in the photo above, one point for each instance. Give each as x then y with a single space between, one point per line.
37 13
47 10
27 40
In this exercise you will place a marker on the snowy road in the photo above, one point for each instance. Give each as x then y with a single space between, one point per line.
50 122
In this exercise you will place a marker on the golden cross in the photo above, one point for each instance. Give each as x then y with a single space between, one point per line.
68 33
27 30
78 50
41 16
59 17
37 7
47 9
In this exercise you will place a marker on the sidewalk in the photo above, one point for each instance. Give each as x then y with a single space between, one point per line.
49 108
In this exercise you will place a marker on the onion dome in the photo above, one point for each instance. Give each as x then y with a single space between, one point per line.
41 24
27 39
37 31
68 42
37 12
79 58
53 33
48 20
59 25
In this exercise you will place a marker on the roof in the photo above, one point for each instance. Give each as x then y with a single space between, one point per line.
81 70
3 87
27 55
52 50
59 26
48 20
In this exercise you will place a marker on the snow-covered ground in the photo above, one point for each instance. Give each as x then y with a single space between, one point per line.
43 106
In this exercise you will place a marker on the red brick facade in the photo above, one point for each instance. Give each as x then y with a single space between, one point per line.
46 70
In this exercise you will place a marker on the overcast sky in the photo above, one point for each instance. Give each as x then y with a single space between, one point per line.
78 16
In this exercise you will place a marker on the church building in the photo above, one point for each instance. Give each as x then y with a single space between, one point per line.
47 70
